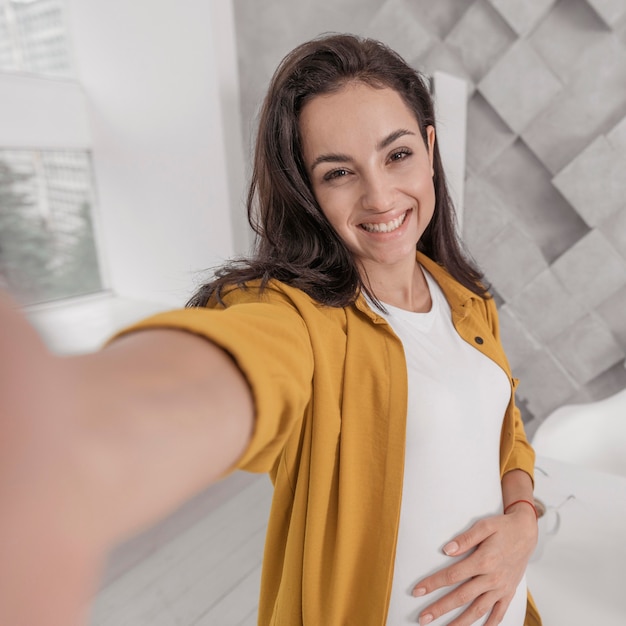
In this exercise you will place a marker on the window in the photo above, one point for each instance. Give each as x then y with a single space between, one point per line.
33 38
47 248
47 244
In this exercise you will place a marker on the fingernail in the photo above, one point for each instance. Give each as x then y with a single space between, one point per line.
426 619
420 591
451 548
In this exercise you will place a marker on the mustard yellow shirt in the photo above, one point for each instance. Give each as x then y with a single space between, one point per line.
330 392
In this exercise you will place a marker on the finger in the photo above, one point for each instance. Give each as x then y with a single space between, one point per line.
480 607
462 595
497 613
451 575
471 538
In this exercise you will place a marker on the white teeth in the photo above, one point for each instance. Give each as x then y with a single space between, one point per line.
385 228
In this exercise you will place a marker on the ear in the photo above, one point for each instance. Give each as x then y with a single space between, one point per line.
430 144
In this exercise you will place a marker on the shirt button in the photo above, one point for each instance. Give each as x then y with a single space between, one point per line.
479 340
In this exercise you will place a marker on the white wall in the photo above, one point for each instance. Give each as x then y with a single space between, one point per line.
450 95
224 39
151 79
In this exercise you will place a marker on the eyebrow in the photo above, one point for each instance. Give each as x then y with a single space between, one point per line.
389 139
344 158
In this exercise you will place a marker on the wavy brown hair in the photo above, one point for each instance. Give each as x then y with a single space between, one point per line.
295 242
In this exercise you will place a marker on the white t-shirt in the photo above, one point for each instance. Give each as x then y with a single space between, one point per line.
456 403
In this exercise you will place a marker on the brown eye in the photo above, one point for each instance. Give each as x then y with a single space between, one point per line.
338 173
399 155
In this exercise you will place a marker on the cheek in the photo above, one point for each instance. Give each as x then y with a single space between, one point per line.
338 222
336 216
426 191
332 208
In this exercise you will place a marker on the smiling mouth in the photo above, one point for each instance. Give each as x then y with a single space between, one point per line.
386 227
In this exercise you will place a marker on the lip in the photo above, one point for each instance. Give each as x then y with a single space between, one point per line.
386 219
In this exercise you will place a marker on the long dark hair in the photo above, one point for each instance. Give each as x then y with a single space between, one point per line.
295 242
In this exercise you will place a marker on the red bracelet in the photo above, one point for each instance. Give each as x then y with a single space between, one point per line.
527 502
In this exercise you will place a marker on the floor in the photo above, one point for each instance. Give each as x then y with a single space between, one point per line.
200 567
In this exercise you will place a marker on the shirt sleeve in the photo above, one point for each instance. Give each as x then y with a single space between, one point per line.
269 342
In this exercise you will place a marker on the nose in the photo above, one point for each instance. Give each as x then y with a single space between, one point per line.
378 192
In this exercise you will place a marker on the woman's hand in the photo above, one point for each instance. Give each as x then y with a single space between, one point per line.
498 550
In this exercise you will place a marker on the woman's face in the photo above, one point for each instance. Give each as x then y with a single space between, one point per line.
370 171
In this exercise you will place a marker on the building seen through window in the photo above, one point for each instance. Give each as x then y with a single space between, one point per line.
47 247
33 37
47 244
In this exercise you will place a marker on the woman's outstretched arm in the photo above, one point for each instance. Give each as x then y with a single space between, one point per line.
96 447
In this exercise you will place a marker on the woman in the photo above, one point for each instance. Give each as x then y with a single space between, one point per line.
367 380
